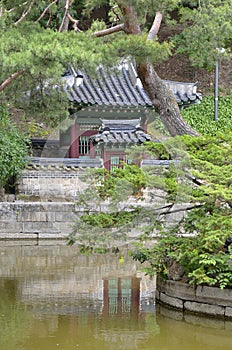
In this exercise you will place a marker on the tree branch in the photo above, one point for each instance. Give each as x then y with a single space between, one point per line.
75 21
25 13
155 26
111 30
11 78
45 11
65 20
12 9
115 13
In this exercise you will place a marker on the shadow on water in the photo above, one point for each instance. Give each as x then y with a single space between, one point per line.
53 298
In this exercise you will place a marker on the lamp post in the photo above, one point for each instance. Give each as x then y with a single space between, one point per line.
216 92
220 51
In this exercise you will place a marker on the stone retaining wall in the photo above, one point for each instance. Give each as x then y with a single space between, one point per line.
202 299
51 220
43 220
27 220
50 182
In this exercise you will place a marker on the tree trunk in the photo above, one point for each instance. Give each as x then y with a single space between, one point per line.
2 193
164 101
159 93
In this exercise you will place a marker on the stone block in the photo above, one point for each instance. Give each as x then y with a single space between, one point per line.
63 227
58 206
214 310
33 216
7 213
228 312
65 216
212 295
14 227
51 241
51 216
27 207
36 226
180 290
53 235
174 302
17 236
157 294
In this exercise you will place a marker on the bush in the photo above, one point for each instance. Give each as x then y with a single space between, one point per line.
201 255
12 149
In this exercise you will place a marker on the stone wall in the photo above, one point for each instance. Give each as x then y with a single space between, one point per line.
43 220
51 183
201 300
27 220
50 178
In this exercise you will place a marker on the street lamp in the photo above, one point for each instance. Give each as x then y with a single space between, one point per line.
220 51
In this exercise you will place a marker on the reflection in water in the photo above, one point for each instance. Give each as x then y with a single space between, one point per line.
121 295
52 298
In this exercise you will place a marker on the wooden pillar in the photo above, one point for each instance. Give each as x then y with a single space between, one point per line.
74 141
144 122
106 159
135 295
120 301
106 298
92 151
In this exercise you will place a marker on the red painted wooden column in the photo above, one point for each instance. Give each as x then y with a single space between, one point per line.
106 159
74 141
135 295
92 151
106 298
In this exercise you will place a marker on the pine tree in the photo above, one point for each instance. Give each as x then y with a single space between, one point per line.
41 38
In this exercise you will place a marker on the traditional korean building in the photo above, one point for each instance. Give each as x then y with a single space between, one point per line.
111 112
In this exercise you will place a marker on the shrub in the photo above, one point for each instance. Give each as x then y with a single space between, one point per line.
12 149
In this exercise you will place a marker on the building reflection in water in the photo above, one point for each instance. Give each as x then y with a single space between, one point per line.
53 296
121 295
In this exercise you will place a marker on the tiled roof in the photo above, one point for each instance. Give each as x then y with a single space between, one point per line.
120 132
121 88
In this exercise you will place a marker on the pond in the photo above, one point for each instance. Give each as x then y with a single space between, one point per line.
51 298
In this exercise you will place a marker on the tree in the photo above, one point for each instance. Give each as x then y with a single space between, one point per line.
13 149
48 34
33 60
203 257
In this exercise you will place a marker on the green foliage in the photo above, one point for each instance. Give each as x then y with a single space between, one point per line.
208 27
44 55
12 149
211 159
201 254
35 45
97 232
109 227
201 116
202 257
109 220
121 183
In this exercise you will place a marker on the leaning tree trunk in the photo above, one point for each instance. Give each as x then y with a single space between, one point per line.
159 93
164 101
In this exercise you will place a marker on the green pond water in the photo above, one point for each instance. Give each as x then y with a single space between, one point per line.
53 298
